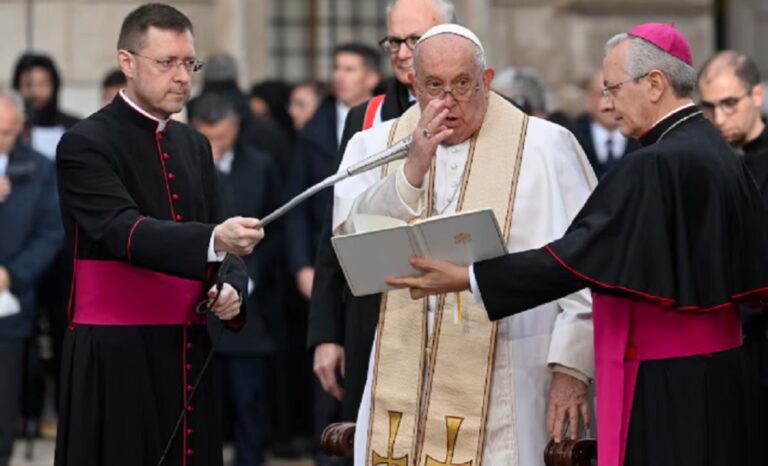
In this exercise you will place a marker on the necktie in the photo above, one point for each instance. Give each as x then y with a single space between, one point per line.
609 150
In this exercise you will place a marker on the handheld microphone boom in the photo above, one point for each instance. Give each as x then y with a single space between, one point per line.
398 151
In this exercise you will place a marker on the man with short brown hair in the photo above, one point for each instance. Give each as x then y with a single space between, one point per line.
140 205
732 97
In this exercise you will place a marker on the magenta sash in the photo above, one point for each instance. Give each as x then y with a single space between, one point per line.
117 293
629 331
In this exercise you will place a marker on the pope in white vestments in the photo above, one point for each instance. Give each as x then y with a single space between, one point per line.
551 181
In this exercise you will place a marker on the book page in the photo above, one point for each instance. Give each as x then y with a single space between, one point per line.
463 238
368 259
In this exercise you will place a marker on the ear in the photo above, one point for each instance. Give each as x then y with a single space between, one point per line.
488 75
657 85
127 63
758 95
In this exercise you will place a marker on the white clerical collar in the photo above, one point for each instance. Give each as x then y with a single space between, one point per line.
224 164
689 104
3 163
161 124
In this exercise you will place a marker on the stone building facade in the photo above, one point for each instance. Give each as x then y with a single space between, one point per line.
292 39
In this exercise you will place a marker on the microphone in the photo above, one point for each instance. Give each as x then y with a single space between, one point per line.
397 151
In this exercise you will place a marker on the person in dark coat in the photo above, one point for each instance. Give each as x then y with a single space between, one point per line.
670 242
141 209
249 186
341 326
598 132
30 236
731 97
264 134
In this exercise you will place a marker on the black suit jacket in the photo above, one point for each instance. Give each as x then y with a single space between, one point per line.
315 158
251 189
335 316
583 132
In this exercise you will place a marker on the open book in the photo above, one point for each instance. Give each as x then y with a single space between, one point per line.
383 246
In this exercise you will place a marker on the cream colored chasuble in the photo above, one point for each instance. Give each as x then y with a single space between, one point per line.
430 396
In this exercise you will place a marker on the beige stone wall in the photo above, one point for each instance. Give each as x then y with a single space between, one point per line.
82 34
563 39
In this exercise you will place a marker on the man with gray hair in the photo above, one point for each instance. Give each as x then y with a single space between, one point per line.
672 238
497 391
30 237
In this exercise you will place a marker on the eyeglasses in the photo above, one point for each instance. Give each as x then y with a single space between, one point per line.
728 106
610 91
461 89
192 65
392 44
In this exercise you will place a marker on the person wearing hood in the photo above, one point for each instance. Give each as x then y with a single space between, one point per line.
38 81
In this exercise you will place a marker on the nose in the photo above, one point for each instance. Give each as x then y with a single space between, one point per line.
605 105
403 52
182 74
449 100
718 116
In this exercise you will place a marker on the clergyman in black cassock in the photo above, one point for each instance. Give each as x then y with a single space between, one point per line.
140 206
732 94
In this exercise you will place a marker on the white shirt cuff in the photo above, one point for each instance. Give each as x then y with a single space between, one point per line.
575 373
214 256
408 194
473 286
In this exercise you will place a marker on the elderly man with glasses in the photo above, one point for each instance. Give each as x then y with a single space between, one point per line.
141 211
497 391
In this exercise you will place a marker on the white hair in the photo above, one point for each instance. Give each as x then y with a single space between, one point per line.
643 56
446 8
14 98
477 53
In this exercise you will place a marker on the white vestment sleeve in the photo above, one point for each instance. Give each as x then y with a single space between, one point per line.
572 343
392 196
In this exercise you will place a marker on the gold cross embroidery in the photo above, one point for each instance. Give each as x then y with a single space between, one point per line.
452 426
389 460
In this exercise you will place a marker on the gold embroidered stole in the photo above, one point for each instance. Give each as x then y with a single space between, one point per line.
430 398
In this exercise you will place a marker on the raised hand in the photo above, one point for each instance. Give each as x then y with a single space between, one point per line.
429 133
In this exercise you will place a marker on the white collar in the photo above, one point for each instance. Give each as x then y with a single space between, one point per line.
161 124
689 104
224 164
3 163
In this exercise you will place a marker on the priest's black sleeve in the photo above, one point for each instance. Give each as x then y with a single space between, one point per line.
326 311
93 194
520 281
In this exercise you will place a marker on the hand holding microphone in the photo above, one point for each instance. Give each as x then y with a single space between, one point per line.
237 235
